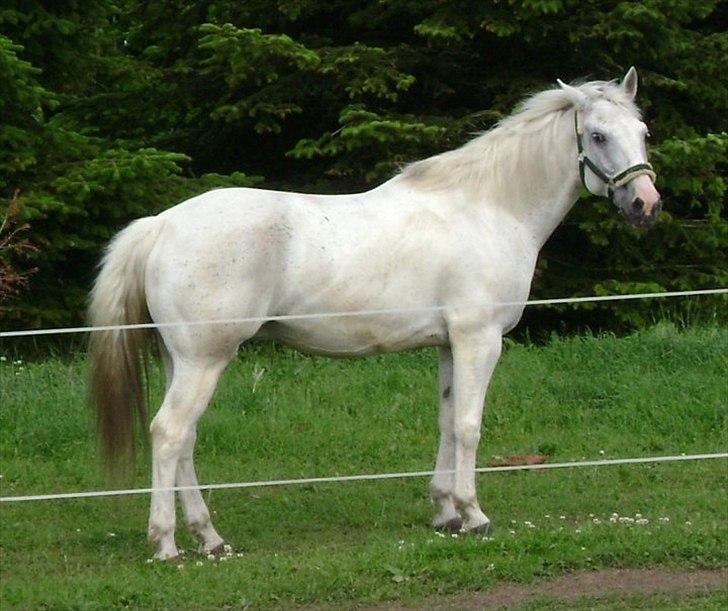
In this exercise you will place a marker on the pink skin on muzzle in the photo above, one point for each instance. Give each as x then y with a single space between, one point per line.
644 189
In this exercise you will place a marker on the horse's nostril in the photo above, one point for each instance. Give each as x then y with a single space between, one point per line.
638 204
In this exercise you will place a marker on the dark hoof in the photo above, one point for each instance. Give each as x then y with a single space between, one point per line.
221 551
484 529
451 526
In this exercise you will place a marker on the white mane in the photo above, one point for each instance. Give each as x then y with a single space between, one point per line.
498 151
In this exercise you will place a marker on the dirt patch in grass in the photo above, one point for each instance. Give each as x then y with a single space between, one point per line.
575 586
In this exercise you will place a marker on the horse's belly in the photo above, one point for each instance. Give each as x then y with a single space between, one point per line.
355 335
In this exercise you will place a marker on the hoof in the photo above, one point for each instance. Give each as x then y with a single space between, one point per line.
453 525
483 529
221 551
173 559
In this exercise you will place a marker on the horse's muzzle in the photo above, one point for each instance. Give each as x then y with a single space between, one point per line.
641 217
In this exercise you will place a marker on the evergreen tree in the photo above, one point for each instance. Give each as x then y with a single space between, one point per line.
118 108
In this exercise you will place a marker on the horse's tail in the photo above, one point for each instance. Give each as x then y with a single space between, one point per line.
117 356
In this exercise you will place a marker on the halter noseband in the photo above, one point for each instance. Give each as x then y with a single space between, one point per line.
612 182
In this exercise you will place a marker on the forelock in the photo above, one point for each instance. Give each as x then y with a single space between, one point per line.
544 103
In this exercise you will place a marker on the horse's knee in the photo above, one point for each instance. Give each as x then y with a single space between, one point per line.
467 434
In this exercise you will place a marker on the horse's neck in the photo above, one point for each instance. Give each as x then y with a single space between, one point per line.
541 189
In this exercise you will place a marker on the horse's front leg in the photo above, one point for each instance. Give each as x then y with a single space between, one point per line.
475 354
441 487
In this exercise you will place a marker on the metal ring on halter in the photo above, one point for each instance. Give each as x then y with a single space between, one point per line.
612 182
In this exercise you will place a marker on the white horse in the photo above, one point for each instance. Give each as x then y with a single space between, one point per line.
457 233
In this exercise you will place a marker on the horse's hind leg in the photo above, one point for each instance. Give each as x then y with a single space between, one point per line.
196 513
172 429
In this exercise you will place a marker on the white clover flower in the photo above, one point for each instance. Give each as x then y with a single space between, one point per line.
596 521
546 515
199 563
664 520
3 359
578 531
638 515
562 517
643 521
210 556
513 532
110 534
150 560
180 567
688 523
491 566
613 520
240 554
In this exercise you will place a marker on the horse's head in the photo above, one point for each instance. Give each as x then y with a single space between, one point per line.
612 152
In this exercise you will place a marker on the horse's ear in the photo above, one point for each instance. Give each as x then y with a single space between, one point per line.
629 83
577 97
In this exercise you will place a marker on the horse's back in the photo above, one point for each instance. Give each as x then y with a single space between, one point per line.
236 253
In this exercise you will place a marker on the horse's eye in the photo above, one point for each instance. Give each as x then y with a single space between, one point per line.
598 137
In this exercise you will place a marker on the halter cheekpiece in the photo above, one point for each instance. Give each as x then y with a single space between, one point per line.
612 182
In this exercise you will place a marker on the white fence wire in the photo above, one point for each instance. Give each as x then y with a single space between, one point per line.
533 302
359 478
373 476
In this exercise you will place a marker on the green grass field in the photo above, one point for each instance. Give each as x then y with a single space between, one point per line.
281 415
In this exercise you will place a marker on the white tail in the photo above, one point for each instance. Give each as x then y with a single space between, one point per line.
118 298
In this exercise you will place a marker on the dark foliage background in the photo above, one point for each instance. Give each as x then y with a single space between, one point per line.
114 109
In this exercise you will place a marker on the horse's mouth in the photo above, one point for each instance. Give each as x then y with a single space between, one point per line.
642 221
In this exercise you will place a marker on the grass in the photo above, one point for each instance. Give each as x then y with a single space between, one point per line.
662 391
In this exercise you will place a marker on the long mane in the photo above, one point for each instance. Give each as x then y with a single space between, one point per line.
497 152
